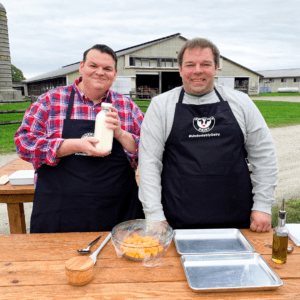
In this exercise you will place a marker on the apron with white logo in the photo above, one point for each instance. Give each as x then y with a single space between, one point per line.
83 193
205 177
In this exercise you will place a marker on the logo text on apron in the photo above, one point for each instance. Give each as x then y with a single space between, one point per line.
204 124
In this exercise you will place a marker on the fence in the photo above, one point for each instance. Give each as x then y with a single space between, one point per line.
32 99
144 93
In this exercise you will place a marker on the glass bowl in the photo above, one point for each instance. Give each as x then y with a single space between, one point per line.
141 240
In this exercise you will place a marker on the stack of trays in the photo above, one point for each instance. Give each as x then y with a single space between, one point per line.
217 260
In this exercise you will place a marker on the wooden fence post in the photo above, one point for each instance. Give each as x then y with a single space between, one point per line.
33 98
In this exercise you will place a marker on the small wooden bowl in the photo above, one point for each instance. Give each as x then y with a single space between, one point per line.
79 270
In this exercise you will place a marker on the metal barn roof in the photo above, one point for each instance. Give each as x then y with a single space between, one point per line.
56 73
280 73
144 45
74 67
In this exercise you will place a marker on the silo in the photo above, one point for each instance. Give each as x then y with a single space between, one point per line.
6 90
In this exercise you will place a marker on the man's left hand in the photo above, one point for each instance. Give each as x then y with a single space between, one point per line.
260 221
113 122
124 137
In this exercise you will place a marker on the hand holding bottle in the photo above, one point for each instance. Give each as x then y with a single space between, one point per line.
113 122
109 122
103 132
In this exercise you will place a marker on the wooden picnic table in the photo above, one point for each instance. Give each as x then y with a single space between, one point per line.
15 195
32 267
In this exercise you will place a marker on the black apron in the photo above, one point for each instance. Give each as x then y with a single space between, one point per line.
83 193
205 177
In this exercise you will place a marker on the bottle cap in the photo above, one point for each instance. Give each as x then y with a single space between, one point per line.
105 105
282 212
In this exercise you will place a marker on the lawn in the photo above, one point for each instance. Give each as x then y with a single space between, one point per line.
13 106
142 105
11 117
7 132
292 208
276 94
279 113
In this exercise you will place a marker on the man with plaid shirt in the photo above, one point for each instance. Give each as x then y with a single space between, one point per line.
78 187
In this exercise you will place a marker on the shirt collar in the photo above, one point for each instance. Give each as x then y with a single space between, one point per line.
83 96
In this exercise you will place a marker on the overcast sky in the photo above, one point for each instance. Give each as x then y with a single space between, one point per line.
45 35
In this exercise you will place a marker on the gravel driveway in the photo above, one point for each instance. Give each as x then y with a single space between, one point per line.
287 142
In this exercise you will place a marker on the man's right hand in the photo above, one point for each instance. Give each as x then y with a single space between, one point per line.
157 227
84 145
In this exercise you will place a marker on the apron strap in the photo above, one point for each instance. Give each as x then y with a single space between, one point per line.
222 101
181 96
71 103
70 106
218 94
108 98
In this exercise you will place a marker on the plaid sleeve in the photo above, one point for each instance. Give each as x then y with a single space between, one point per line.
35 141
137 118
134 128
131 118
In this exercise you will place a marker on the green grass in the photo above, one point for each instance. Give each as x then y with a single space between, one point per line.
292 208
7 133
279 113
13 106
11 117
276 94
143 109
141 102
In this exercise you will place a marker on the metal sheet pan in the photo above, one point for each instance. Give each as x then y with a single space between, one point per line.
229 272
208 241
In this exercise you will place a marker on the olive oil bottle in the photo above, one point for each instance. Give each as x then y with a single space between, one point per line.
280 238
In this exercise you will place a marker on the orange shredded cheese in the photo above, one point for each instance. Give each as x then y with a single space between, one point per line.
147 247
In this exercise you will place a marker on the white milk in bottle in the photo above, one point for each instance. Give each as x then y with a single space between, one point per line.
103 134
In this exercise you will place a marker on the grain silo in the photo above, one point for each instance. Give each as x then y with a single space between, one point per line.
6 90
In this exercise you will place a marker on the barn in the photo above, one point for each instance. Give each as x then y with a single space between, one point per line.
274 79
148 69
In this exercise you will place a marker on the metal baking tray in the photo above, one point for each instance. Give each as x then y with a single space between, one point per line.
229 272
208 241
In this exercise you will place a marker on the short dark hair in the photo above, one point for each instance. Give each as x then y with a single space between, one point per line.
103 49
199 43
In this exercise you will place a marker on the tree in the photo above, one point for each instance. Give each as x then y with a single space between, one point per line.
17 75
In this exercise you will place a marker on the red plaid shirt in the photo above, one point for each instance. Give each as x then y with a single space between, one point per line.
40 133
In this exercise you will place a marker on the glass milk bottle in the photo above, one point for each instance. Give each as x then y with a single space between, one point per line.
103 134
280 238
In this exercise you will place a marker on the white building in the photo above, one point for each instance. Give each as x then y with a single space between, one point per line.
152 65
274 79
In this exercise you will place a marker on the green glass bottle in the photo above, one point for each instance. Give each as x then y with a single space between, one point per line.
280 238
